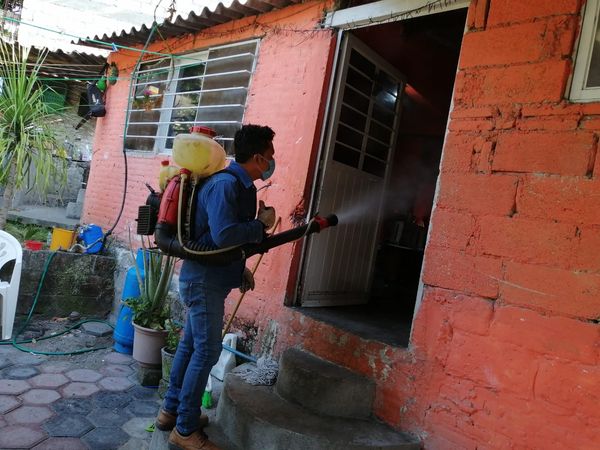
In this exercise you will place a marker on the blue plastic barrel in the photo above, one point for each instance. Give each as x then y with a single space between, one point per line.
92 237
123 334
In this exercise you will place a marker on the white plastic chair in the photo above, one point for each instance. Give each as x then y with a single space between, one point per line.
10 250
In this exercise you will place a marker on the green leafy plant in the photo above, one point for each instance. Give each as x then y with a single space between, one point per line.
27 141
151 308
27 232
173 335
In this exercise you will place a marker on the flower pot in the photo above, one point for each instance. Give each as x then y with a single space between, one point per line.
167 363
147 344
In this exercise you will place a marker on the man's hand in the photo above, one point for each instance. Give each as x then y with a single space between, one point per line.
266 214
247 281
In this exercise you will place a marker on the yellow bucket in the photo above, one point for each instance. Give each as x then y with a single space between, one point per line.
61 238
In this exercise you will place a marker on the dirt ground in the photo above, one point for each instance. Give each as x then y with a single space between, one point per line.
76 339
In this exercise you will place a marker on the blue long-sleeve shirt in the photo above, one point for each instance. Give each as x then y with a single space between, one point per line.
225 217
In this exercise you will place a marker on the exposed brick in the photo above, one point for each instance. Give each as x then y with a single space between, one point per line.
536 152
526 83
587 255
431 340
528 424
477 14
565 199
555 109
470 125
459 150
533 241
590 123
478 359
470 274
502 46
560 123
450 229
480 194
472 113
502 12
569 385
553 336
471 314
574 294
464 312
590 108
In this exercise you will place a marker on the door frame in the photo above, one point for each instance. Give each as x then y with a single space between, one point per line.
387 11
348 19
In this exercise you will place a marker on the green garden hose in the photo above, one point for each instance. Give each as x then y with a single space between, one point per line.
18 346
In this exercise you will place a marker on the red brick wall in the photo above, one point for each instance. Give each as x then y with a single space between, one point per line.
505 349
509 316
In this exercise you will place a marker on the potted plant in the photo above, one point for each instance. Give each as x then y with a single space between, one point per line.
174 331
150 311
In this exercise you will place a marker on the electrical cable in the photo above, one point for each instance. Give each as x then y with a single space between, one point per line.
129 102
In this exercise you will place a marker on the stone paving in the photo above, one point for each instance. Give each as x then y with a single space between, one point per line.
48 403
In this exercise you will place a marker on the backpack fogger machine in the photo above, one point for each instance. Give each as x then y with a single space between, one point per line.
169 214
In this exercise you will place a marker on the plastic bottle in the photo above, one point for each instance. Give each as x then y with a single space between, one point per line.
166 173
199 152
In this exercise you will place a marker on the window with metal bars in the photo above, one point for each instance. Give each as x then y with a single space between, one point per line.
206 88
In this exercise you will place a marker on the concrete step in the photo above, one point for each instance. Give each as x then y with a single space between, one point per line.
256 418
160 439
323 387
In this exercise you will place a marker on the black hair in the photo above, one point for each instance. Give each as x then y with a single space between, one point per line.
251 140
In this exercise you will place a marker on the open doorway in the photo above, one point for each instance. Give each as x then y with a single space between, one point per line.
389 111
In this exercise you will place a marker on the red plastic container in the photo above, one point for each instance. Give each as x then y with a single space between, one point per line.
33 245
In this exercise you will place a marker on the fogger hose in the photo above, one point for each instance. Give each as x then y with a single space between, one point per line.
169 244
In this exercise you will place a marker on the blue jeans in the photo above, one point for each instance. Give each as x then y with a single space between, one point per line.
197 353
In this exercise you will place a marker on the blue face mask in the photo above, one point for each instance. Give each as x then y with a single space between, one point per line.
269 172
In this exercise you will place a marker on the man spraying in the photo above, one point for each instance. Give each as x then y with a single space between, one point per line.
225 217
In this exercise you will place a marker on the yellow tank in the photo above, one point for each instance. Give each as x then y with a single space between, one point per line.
166 173
199 152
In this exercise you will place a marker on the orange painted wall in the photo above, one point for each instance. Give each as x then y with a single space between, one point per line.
505 349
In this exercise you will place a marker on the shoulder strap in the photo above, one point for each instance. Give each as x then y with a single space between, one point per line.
193 202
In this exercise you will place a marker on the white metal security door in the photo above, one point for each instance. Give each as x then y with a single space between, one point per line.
364 120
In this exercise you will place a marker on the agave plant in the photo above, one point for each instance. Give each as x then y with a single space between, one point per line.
27 143
151 309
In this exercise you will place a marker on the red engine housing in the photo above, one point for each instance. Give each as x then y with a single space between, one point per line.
168 212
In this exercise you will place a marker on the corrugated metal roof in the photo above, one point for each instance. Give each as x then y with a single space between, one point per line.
207 18
73 65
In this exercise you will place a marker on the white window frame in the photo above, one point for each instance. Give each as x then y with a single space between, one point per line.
166 109
579 92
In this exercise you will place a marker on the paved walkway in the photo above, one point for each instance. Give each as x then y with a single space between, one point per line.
56 403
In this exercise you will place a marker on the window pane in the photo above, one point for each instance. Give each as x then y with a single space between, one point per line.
353 118
378 132
374 167
593 79
361 63
349 137
377 149
356 100
346 155
171 95
359 82
383 115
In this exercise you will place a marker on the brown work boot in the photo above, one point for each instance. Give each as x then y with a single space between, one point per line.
195 441
165 421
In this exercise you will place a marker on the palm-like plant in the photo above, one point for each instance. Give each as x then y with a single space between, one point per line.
27 142
151 309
